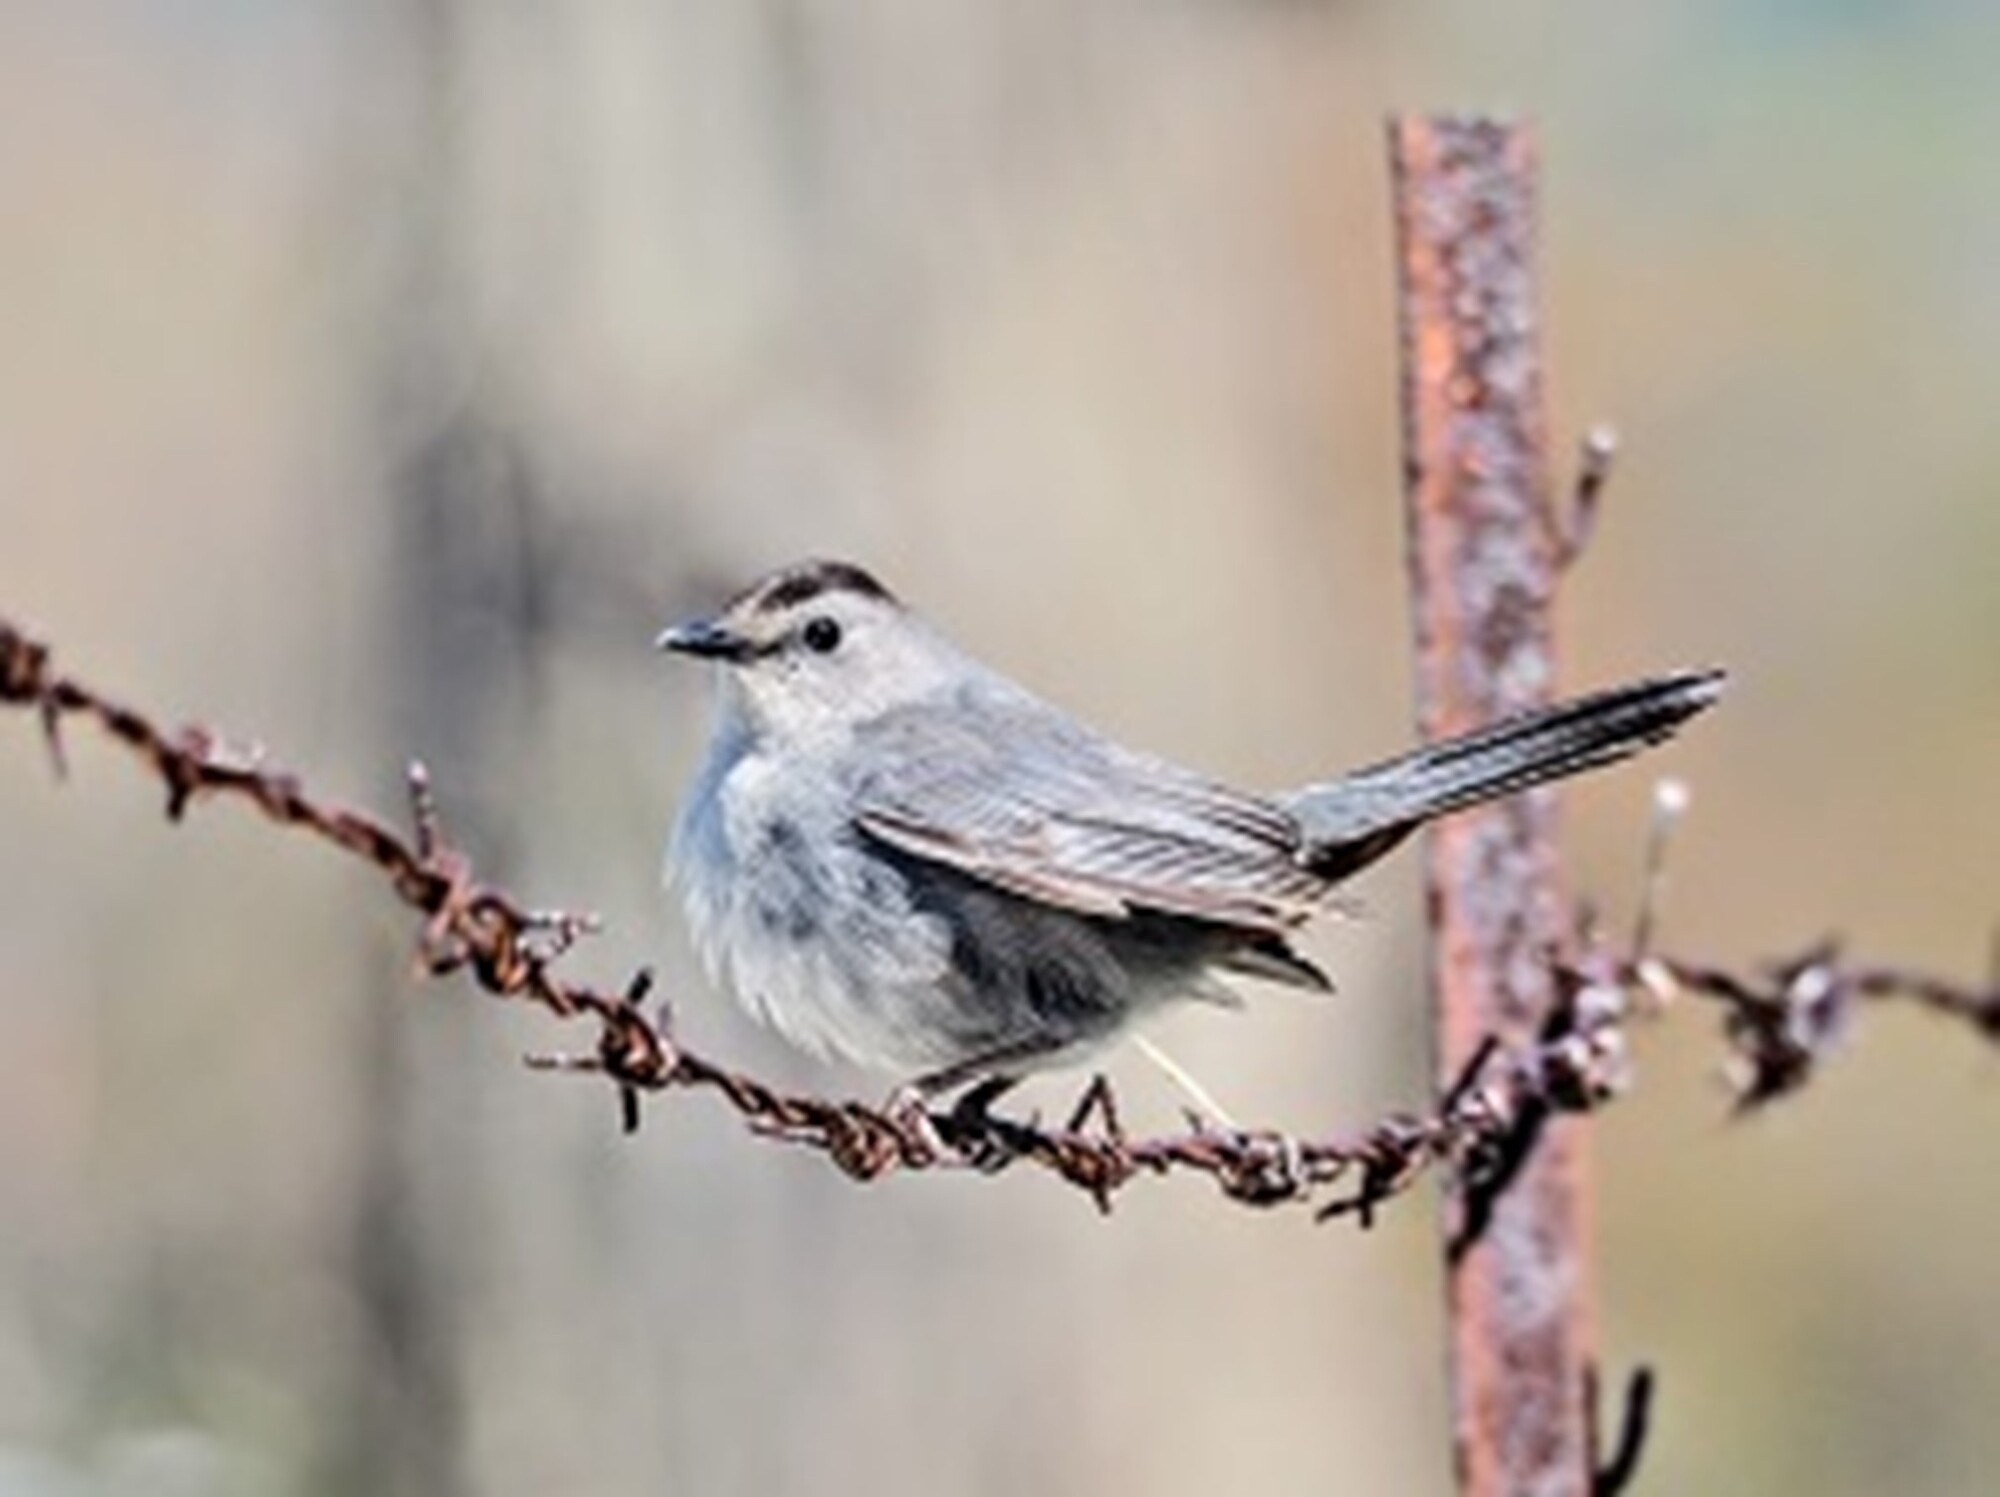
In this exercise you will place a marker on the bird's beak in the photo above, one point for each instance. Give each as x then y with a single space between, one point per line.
708 639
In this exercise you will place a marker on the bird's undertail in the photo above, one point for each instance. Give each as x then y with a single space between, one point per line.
1350 822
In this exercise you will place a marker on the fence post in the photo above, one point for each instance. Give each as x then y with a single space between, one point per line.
1483 564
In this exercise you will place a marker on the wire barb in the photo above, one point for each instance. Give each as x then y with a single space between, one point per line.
1576 524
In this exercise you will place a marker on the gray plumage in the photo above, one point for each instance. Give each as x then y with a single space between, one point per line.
894 854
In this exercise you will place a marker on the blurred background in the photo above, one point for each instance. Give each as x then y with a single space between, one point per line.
376 377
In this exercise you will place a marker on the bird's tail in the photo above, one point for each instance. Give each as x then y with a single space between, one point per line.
1349 822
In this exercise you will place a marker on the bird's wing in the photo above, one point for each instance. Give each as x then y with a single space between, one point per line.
1004 788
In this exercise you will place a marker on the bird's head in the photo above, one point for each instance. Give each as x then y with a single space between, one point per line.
811 651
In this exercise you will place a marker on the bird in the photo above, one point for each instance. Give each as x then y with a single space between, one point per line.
895 855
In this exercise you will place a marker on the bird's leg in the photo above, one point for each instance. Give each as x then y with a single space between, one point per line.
970 1113
985 1077
972 1129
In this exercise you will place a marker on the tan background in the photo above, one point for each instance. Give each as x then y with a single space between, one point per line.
376 378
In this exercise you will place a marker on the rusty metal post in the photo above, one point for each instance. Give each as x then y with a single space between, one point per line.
1483 566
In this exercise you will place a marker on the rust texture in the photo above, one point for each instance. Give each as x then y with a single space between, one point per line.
1485 552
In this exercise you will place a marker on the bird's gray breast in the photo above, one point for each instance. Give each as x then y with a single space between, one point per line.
792 910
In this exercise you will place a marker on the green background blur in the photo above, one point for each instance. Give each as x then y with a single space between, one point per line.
375 378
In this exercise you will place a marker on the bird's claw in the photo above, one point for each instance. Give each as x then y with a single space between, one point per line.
908 1113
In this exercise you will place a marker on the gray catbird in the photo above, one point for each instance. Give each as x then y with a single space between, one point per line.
895 854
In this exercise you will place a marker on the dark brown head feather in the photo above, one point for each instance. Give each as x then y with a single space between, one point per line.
810 579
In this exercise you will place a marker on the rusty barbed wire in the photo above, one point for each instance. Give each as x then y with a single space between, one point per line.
1779 1023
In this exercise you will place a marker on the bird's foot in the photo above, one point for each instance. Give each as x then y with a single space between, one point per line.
908 1111
966 1133
974 1131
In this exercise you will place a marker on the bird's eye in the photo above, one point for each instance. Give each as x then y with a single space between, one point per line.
822 635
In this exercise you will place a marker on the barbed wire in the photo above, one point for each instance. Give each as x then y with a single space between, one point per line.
1780 1022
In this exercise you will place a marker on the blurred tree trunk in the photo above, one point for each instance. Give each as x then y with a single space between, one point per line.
460 607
